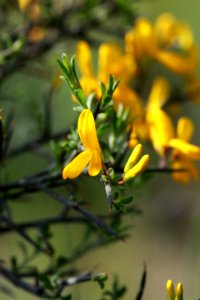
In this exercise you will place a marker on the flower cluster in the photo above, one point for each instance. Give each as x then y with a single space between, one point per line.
92 153
167 48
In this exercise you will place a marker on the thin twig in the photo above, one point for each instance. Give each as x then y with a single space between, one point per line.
89 216
37 223
22 232
142 284
14 279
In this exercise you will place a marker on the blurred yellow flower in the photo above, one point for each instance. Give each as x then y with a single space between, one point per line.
160 129
192 89
91 155
135 165
154 123
183 152
140 41
111 61
168 41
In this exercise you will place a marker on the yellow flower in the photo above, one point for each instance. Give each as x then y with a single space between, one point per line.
88 80
135 165
177 49
111 61
160 129
159 124
168 41
155 125
183 152
92 154
140 41
172 33
177 63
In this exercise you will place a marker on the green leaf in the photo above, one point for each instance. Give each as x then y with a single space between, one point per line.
46 282
101 279
61 261
127 199
67 297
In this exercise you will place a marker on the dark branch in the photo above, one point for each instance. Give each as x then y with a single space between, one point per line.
14 279
73 205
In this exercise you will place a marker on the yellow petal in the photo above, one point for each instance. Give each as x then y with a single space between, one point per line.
133 142
193 89
95 164
84 58
165 28
91 85
160 128
159 93
138 168
180 176
172 33
136 153
185 129
129 98
87 131
141 40
113 61
108 54
190 150
190 173
177 63
170 290
139 132
77 165
24 4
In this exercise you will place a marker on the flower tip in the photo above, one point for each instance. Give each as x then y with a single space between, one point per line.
138 168
170 289
136 153
179 291
64 175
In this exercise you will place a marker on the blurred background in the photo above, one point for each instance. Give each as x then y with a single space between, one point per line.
166 235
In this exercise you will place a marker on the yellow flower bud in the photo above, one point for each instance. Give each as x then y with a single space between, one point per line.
170 290
134 167
179 291
136 153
